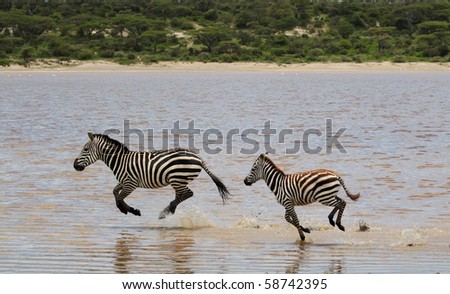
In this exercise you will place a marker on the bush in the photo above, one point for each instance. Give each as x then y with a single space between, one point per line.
119 54
28 53
107 53
315 53
84 54
399 59
229 58
358 58
211 14
10 44
59 48
181 23
5 62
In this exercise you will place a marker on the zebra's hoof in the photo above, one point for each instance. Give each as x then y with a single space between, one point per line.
164 213
306 230
341 227
137 212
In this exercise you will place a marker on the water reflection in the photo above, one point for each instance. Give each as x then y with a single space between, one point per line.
336 267
123 255
298 258
170 252
177 246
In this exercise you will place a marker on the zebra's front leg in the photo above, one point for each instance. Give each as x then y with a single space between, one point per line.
181 194
291 217
120 193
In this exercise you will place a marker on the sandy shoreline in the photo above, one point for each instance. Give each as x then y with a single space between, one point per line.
105 66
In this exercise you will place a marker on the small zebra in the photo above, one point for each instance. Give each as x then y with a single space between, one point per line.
301 189
175 167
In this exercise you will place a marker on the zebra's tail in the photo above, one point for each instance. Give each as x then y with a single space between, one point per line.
223 191
352 196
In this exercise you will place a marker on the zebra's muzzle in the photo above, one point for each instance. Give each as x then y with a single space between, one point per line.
247 182
76 166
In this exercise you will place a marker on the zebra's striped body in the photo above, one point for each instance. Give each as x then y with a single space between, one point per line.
301 189
175 167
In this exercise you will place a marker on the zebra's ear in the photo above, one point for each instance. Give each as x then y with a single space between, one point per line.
91 136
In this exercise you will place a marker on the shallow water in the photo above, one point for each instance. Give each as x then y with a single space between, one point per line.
396 141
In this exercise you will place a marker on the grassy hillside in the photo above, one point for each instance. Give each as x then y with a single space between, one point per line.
280 31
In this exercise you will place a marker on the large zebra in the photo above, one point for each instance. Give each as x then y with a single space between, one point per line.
301 189
175 167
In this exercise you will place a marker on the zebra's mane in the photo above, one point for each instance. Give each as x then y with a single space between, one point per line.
113 142
267 159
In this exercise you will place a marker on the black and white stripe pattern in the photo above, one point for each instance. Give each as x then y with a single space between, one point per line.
175 167
301 189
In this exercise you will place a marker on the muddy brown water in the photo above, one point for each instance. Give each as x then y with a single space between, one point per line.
396 141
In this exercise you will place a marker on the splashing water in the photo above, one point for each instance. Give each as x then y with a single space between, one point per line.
190 217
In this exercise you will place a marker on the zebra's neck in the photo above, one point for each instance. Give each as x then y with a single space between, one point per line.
112 156
272 175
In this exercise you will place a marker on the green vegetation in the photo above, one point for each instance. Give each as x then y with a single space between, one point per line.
282 31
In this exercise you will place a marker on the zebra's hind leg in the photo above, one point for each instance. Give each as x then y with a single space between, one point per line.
120 193
340 213
181 193
339 206
291 217
331 216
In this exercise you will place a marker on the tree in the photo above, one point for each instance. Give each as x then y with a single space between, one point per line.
345 28
87 25
382 36
153 38
26 26
429 27
406 17
283 16
210 37
133 24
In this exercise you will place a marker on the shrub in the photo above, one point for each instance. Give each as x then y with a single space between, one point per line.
399 59
84 54
107 53
28 53
5 62
181 23
358 58
119 54
316 52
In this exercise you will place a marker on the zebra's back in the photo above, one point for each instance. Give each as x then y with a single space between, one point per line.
308 187
163 167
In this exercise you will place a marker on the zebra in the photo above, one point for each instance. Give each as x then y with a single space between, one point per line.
151 170
301 189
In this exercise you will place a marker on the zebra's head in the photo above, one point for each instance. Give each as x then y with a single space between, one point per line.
256 173
88 155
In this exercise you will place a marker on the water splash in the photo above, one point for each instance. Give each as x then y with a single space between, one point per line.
248 222
411 238
190 218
